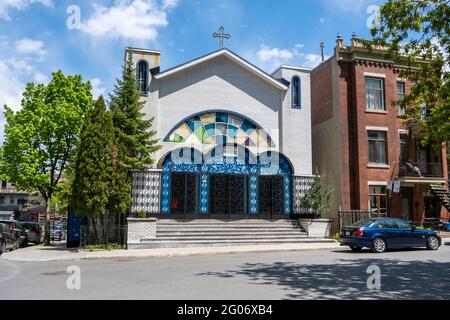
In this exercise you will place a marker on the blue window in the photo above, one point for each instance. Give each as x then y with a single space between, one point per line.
296 94
142 77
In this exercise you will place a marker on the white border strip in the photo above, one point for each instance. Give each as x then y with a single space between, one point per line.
375 75
373 128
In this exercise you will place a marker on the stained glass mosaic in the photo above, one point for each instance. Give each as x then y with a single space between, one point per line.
220 127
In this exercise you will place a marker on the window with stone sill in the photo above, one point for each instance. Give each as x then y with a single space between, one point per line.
400 96
375 94
377 147
378 200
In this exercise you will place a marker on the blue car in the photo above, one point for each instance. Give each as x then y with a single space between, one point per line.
387 233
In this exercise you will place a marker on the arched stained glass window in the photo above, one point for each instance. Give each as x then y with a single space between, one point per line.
296 93
220 128
142 76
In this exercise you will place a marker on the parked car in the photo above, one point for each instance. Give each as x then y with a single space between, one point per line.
7 238
387 233
16 229
57 233
33 230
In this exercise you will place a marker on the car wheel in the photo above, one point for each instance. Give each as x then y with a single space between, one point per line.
356 248
432 243
2 248
378 245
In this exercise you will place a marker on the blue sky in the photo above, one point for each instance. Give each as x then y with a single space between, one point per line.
35 38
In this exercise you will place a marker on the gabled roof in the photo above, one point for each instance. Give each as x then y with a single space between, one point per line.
307 70
233 57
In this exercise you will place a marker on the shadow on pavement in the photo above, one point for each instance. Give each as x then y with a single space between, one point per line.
347 279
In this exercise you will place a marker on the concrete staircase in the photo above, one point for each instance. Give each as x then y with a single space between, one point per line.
442 193
220 233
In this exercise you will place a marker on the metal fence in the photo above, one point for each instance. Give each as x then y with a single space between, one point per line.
348 217
102 235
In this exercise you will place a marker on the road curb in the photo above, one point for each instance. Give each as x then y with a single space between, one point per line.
168 254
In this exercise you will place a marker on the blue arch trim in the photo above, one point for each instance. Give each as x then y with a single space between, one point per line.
296 90
227 166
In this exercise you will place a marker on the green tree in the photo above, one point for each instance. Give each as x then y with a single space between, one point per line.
418 32
135 140
93 165
40 139
317 197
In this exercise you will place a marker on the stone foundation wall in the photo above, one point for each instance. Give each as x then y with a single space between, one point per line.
139 229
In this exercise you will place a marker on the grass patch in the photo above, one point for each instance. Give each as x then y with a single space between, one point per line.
109 247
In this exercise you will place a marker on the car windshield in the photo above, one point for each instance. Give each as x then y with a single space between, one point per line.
362 223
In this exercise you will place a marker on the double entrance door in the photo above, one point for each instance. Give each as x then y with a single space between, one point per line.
228 194
271 195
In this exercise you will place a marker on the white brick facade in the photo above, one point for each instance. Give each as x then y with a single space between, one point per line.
222 84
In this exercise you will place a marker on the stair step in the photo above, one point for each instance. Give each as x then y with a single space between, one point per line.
241 237
198 243
230 232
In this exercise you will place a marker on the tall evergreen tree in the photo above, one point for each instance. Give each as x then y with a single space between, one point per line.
93 168
135 140
132 130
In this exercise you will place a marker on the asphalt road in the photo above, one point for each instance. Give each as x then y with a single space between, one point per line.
338 274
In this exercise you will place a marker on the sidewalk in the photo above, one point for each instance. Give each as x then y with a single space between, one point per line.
60 253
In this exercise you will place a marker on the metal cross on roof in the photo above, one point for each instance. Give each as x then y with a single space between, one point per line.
221 36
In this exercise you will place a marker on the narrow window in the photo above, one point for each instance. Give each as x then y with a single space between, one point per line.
375 94
403 149
296 94
378 200
142 77
377 147
400 96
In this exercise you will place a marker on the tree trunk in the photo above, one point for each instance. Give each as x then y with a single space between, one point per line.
47 222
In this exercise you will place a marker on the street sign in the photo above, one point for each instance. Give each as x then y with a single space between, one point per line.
396 187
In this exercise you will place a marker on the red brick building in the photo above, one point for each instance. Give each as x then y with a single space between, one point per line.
360 143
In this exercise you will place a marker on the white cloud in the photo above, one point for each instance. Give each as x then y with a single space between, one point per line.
169 4
5 5
11 88
97 88
30 47
269 58
266 53
134 19
312 60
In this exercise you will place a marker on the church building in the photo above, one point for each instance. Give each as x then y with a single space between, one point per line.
236 141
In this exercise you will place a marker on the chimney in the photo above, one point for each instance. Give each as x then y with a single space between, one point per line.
322 47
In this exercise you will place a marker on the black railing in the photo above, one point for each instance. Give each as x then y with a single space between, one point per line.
413 169
101 235
348 217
